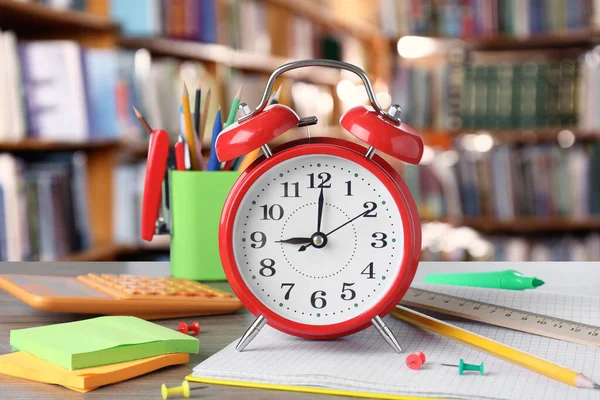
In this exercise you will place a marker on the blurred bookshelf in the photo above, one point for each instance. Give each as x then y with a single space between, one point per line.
464 76
35 18
104 159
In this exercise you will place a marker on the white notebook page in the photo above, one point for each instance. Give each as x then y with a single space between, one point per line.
364 361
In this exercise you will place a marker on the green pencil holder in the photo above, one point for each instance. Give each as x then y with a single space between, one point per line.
197 199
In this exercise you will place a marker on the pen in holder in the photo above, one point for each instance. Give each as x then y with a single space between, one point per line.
196 202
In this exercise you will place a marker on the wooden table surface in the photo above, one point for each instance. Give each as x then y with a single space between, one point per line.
216 333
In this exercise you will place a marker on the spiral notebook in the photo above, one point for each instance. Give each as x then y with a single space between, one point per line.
363 364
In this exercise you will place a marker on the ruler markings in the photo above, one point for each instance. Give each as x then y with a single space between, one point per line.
507 317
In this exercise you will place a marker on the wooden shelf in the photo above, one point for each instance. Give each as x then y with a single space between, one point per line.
216 53
583 38
108 252
35 145
23 17
327 18
532 136
525 225
28 145
112 251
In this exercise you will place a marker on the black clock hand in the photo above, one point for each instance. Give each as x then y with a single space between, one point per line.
320 211
295 240
347 222
302 248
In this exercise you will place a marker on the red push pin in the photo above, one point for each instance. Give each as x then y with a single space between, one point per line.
415 360
193 329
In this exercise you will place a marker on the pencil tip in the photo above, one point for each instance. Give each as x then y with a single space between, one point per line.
137 113
185 91
239 92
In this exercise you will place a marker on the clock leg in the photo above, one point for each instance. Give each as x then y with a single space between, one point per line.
386 333
251 333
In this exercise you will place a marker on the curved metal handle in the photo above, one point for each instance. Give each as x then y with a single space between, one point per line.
325 63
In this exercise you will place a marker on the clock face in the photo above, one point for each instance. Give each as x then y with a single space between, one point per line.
312 270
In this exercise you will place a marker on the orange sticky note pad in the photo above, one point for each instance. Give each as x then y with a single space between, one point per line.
27 366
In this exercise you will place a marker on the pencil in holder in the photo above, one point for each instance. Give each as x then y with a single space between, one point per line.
197 199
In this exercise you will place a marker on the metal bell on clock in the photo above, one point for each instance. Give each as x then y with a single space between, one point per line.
255 131
384 132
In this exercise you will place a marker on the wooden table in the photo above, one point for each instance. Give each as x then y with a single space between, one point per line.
217 332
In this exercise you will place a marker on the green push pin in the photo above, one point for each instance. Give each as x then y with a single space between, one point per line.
463 366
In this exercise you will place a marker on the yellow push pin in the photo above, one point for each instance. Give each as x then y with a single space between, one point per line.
184 389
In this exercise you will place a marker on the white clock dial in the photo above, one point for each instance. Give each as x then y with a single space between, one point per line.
310 276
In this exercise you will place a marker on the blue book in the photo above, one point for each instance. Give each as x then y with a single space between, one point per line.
536 16
213 162
137 17
101 74
208 21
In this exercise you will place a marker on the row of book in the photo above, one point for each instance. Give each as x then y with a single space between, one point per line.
181 19
61 91
521 95
425 95
477 18
508 182
444 242
43 207
58 90
500 96
253 26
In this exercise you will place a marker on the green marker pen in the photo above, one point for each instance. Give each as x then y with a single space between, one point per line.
509 279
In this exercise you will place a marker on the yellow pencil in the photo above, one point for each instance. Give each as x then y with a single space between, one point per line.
204 118
249 159
189 127
494 348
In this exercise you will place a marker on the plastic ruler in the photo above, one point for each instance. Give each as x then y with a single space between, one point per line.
506 317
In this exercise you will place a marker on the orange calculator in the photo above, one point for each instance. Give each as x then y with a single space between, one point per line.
106 294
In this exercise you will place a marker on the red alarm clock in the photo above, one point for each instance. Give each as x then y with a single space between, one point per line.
320 237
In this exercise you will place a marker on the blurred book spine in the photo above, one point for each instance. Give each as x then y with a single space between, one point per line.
44 206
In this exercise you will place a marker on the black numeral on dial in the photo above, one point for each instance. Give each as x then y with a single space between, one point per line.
289 286
259 239
295 189
371 206
348 188
347 293
317 300
380 241
369 271
275 212
323 176
267 267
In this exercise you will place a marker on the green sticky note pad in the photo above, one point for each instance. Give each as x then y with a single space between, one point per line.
101 341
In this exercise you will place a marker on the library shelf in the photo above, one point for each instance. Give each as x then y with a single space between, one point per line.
106 252
135 146
522 225
534 135
39 17
220 54
561 40
30 145
113 251
329 19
